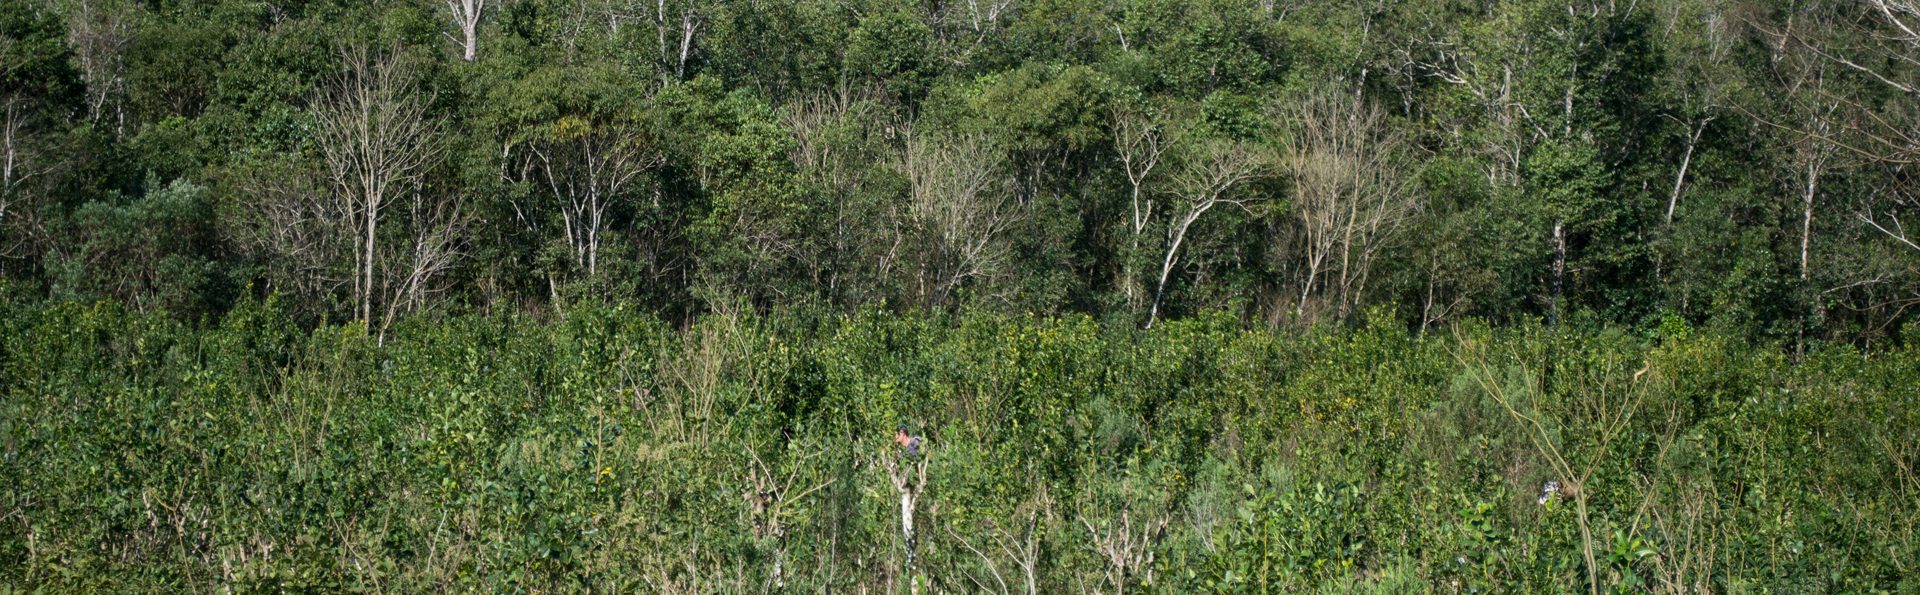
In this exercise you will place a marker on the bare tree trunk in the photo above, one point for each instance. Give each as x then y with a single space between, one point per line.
1166 264
1814 170
1559 272
1346 256
1816 166
1314 260
375 140
689 24
466 15
366 266
1203 182
1686 159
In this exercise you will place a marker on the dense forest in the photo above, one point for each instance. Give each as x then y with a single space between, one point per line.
1745 165
987 296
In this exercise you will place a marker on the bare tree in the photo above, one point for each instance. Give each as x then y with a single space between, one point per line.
1487 76
1703 42
466 15
961 203
20 164
437 225
1201 182
1349 190
1813 123
674 28
1850 80
1575 432
376 143
100 32
1141 139
1124 525
1884 50
984 16
1018 547
17 157
587 167
1891 133
1890 224
1814 157
771 502
840 140
290 224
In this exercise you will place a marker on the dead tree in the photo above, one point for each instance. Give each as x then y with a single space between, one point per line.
377 144
1203 181
100 32
768 498
1702 38
1018 546
20 166
587 168
1575 432
1349 191
674 29
1141 139
959 200
17 156
293 225
466 15
437 225
1126 545
908 476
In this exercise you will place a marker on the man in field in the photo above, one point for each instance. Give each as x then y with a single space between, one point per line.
909 444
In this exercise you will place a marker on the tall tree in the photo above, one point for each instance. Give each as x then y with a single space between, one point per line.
1206 179
466 16
960 203
377 144
1350 192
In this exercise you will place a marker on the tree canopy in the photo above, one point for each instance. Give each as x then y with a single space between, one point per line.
1739 164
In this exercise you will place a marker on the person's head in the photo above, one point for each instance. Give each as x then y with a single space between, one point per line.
900 434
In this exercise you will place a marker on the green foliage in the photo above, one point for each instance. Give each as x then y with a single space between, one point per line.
1671 145
895 49
607 451
146 252
669 282
35 61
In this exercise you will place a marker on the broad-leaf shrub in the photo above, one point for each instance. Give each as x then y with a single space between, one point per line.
608 451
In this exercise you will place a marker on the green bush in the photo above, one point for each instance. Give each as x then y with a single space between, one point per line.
607 451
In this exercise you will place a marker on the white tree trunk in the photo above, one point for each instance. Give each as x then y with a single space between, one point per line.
466 15
1811 189
374 139
1166 264
1686 159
